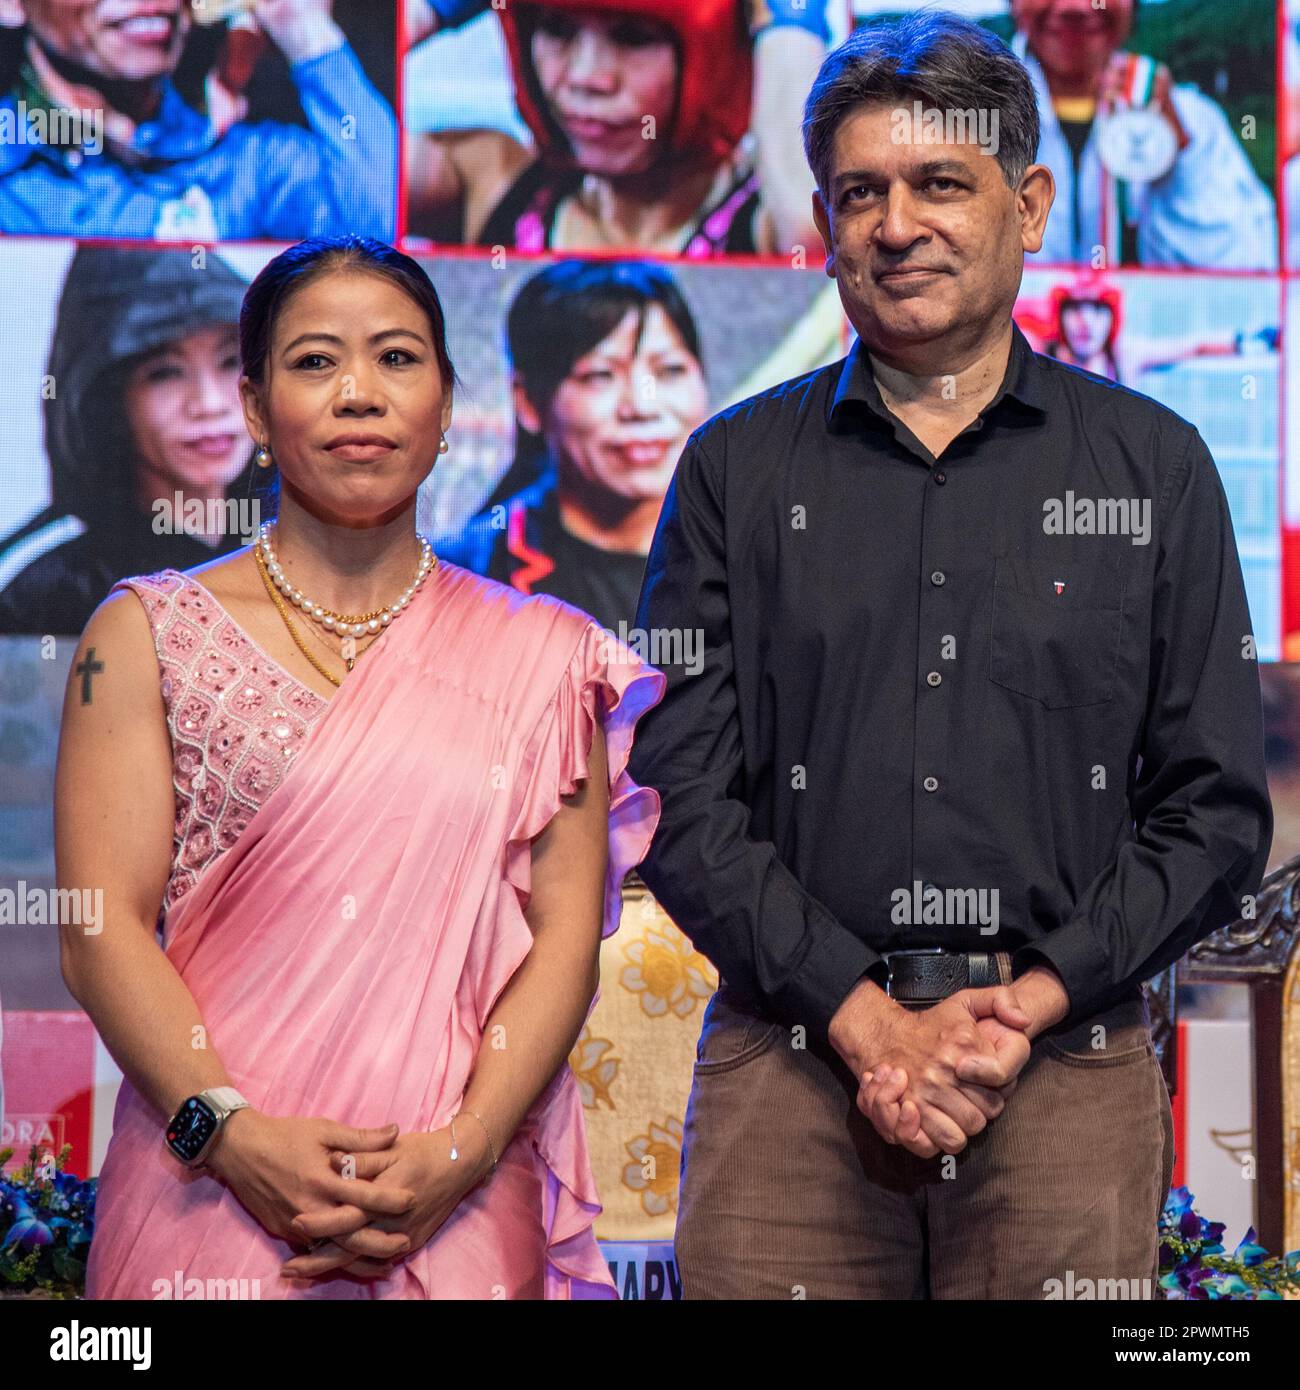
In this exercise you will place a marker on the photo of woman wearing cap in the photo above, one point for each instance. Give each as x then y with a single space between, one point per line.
671 126
144 365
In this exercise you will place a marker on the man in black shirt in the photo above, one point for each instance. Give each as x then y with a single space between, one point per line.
977 747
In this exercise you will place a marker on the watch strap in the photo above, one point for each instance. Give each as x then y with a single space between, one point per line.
224 1098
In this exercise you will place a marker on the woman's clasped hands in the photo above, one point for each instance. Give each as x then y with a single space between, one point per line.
368 1196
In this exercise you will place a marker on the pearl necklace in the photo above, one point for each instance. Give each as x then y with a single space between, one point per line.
345 624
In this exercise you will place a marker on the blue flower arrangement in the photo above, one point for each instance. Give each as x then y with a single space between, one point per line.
1193 1264
47 1218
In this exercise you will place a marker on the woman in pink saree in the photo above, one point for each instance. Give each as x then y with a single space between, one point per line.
354 935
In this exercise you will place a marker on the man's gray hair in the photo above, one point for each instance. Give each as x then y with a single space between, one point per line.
930 56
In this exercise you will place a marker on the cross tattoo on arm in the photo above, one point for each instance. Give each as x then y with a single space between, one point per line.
86 670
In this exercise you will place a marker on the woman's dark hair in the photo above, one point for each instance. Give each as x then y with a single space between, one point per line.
558 316
292 270
296 268
565 310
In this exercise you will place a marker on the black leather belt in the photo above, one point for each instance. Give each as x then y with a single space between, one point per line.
925 976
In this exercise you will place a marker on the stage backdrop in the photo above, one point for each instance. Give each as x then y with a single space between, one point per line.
125 250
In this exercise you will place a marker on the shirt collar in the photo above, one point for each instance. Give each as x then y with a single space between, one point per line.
1022 381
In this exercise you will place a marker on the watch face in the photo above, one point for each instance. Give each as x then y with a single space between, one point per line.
192 1127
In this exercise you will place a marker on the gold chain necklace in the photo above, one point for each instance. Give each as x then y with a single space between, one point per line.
334 651
293 631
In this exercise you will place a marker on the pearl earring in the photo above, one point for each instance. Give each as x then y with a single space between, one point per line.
443 446
263 456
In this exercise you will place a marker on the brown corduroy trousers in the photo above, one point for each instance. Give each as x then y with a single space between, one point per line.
787 1191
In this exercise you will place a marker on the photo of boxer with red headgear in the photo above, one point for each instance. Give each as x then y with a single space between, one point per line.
1080 320
667 126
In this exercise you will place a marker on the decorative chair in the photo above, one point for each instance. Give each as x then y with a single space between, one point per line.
1261 951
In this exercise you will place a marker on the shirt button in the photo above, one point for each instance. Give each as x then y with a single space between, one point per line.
941 478
937 577
931 784
934 678
927 888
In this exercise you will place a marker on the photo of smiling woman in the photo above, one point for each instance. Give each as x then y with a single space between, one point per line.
378 808
141 403
608 384
662 125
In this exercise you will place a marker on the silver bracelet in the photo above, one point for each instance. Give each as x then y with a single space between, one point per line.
455 1152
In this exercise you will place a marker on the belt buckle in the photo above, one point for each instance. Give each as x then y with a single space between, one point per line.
909 951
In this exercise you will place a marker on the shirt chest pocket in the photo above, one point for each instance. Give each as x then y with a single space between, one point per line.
1059 649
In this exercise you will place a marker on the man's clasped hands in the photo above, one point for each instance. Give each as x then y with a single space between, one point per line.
930 1079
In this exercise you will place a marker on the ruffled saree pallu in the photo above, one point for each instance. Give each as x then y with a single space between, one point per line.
346 951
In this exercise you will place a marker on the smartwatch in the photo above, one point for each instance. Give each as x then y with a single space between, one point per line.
194 1128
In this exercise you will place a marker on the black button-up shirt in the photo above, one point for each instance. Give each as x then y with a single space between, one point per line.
1025 666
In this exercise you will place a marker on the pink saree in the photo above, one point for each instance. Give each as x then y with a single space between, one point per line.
345 952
